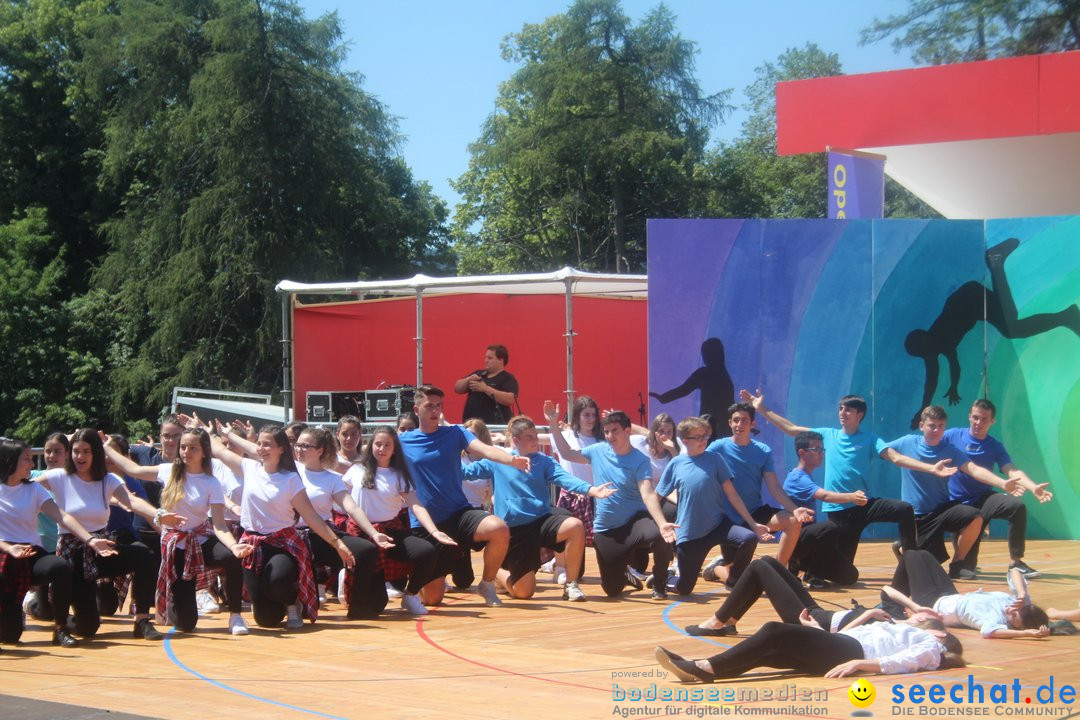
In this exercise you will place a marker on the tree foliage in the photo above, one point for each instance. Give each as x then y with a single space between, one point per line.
600 128
746 178
213 148
950 31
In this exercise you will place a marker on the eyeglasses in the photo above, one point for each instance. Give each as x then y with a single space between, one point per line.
696 438
171 436
304 447
816 449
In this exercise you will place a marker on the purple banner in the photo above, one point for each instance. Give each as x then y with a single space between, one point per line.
856 185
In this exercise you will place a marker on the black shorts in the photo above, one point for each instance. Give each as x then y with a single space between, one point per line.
523 555
461 526
763 514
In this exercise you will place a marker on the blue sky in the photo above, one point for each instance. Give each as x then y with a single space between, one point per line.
437 65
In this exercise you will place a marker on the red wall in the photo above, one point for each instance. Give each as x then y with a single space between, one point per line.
357 346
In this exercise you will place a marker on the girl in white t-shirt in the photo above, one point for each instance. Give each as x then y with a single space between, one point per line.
191 489
84 489
382 487
585 429
278 574
349 437
316 452
23 562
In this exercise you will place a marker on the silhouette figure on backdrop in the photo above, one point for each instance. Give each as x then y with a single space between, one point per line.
714 383
963 309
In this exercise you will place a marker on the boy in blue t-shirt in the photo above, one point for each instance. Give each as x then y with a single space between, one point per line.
987 451
433 452
751 465
522 500
701 483
848 453
935 513
817 551
622 523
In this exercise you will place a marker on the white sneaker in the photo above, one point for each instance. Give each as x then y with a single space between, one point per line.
558 575
548 567
486 589
237 626
392 592
294 621
206 604
341 586
573 593
321 589
412 604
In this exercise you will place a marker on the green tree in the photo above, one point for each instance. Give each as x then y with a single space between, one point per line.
47 157
53 346
951 31
241 154
600 128
746 178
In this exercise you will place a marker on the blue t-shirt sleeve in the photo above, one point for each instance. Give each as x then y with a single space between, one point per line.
555 473
767 466
901 445
479 470
466 436
879 444
800 487
590 451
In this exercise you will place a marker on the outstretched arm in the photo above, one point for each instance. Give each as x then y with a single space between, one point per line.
551 412
758 401
1025 483
147 473
988 478
942 468
692 383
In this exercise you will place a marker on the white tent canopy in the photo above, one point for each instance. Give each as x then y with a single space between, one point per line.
568 282
554 283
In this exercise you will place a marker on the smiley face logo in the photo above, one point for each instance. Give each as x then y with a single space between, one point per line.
861 693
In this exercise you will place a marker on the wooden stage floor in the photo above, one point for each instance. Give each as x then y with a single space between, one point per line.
542 658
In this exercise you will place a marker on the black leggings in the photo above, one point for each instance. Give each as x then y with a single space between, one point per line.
52 573
364 552
614 548
215 555
853 520
132 557
737 542
919 576
789 598
274 588
787 647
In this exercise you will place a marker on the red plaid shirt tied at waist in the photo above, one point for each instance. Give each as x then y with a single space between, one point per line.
68 546
194 564
15 574
289 540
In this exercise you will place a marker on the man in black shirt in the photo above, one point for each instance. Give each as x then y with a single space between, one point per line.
492 391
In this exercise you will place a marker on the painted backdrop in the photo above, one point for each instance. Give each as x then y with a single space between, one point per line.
903 312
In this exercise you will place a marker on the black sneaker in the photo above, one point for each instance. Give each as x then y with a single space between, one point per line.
659 591
813 582
632 580
145 630
1029 572
63 638
896 550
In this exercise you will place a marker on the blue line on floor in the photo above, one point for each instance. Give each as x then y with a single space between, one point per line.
223 686
676 628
